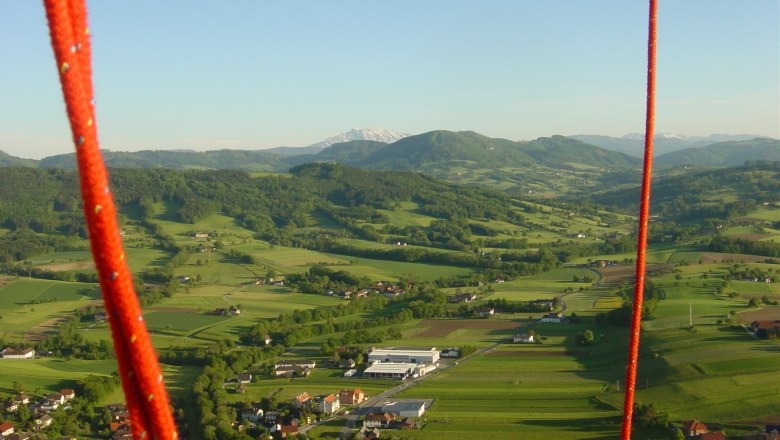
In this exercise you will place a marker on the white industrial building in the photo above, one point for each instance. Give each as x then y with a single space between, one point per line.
389 370
413 355
405 408
397 370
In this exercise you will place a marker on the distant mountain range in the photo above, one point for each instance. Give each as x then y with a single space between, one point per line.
441 149
633 144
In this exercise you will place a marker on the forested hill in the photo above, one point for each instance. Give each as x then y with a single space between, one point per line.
268 205
717 194
249 160
725 154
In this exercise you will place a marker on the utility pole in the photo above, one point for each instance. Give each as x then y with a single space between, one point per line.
690 314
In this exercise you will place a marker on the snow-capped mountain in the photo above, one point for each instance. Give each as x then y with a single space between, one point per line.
362 134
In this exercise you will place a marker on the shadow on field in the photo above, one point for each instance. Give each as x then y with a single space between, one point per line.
599 424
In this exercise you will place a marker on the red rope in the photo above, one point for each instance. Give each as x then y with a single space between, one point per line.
644 212
147 400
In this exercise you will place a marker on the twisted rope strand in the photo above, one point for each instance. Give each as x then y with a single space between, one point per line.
147 399
644 213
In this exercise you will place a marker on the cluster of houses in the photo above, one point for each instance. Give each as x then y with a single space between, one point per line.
40 412
602 263
231 311
694 429
381 288
302 404
120 422
279 282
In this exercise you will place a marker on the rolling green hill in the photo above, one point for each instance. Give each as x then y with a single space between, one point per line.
702 194
6 160
439 147
724 154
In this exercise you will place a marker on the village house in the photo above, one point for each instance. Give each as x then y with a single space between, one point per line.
244 378
56 397
43 422
302 400
451 352
347 363
352 397
24 353
546 303
693 428
770 432
290 363
123 433
378 420
6 429
21 399
392 293
329 404
254 415
523 338
486 312
362 293
285 430
366 433
11 406
201 235
766 324
462 297
291 371
556 318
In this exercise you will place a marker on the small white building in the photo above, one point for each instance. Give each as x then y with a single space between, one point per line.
552 317
523 338
414 408
12 353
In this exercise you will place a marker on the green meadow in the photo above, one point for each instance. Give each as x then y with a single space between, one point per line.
27 303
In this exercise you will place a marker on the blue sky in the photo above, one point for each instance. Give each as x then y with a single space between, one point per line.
259 74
